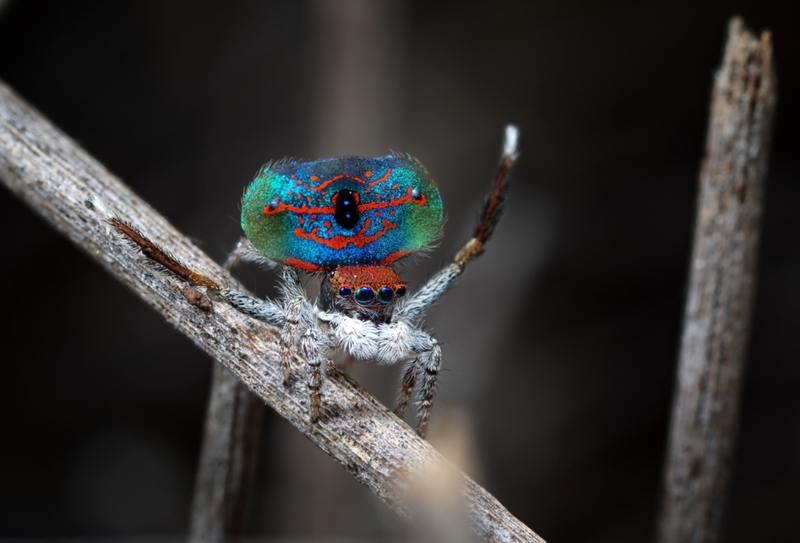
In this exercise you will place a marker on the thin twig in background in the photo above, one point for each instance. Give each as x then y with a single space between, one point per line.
60 181
719 304
228 460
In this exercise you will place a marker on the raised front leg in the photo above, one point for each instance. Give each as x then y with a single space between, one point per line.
419 303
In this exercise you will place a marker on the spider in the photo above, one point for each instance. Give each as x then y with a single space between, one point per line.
349 219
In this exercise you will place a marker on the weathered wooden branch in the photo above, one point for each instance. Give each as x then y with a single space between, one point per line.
59 180
721 293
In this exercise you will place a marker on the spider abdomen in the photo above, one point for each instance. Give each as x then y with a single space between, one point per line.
323 214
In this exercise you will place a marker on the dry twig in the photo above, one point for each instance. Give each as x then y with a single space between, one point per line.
59 180
719 303
228 460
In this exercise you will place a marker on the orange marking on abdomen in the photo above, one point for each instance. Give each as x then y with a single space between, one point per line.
331 210
339 242
397 255
336 178
295 263
382 179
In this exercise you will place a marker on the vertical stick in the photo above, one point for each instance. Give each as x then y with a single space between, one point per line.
227 460
719 303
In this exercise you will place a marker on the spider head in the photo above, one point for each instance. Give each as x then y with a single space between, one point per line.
367 291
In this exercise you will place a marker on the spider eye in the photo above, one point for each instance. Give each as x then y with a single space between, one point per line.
385 295
401 291
345 292
416 194
273 204
346 213
365 295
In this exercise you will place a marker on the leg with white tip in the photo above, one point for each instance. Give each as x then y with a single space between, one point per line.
420 302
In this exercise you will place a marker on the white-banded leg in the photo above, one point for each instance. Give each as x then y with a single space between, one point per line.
416 305
297 313
312 346
403 341
421 373
290 313
406 387
429 363
263 310
289 334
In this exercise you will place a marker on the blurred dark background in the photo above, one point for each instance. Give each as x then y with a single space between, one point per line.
560 342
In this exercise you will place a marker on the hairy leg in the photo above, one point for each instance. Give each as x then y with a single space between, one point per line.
312 346
406 387
246 252
429 364
420 302
264 310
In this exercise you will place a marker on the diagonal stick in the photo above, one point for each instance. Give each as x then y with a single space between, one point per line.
59 180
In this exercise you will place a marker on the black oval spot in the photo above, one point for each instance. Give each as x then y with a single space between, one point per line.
346 209
385 295
345 292
401 291
365 295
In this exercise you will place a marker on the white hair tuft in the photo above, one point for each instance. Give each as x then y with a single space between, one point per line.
510 141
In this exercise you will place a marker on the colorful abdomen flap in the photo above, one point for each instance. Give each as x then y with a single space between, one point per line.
323 214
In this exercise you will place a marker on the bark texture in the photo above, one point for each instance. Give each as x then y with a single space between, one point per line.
719 304
228 460
61 182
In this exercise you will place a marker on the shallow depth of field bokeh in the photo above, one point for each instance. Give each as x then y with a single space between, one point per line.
560 342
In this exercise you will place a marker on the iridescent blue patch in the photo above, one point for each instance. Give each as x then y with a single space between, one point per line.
323 214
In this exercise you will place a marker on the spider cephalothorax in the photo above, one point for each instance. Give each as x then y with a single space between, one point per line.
367 291
349 219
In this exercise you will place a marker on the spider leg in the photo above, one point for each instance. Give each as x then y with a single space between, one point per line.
295 316
312 346
429 363
246 252
298 316
490 216
422 371
406 388
263 310
301 329
161 257
403 341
